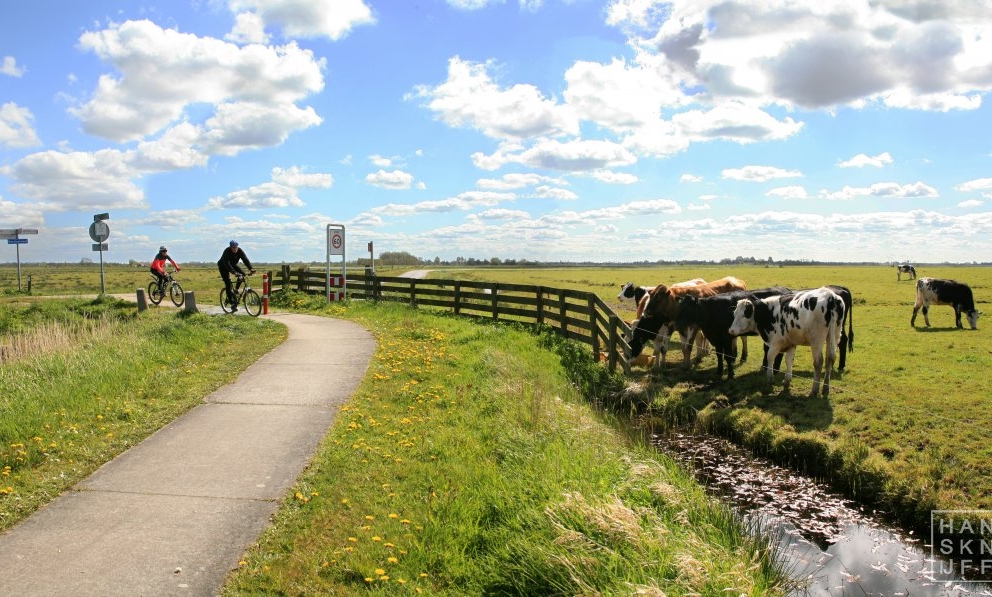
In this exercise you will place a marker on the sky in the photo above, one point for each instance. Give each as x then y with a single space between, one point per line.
545 130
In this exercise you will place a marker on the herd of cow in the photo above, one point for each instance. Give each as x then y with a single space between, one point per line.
720 312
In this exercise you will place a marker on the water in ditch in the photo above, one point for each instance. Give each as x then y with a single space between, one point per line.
825 540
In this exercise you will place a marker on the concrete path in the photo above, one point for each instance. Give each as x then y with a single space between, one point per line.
173 515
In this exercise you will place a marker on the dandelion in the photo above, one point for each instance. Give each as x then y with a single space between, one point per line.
393 560
353 539
380 571
377 538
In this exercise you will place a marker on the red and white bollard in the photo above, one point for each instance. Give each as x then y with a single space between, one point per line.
265 294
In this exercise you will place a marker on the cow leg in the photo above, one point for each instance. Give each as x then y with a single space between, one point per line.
770 354
926 314
660 346
790 355
957 316
817 349
743 348
831 355
916 309
690 337
843 349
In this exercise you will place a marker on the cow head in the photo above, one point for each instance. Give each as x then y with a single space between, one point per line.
644 330
973 318
626 292
743 318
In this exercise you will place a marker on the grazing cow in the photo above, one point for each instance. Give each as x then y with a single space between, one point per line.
660 311
713 316
934 291
807 318
637 294
905 268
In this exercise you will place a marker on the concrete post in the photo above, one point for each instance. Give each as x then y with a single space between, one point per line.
190 304
142 300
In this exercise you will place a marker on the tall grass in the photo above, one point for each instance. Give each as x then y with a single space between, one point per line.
86 379
467 463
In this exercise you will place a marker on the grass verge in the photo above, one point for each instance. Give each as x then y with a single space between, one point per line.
469 463
83 380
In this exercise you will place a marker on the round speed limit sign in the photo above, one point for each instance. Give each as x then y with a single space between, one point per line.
335 242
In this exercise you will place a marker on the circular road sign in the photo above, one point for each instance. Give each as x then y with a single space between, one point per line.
99 231
336 240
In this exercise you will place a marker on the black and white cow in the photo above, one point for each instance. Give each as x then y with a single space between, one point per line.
935 291
905 268
811 318
713 316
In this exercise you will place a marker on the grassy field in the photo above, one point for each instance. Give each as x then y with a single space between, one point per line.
906 424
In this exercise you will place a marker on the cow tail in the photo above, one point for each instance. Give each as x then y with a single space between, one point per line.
850 327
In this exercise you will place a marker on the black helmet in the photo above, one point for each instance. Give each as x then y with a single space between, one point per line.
163 250
233 243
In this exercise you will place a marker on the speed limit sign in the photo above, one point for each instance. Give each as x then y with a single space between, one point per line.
335 242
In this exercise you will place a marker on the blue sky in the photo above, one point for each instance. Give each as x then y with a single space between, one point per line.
623 130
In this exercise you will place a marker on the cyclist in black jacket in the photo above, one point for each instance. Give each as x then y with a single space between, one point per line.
228 264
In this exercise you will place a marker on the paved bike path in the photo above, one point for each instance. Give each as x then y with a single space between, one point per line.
172 515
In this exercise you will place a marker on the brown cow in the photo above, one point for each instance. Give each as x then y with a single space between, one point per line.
661 309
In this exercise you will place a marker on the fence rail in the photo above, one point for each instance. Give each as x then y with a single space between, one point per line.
576 315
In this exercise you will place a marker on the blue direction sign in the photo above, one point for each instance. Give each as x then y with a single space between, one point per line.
17 241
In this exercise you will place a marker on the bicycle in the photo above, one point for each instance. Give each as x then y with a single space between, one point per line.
157 292
244 295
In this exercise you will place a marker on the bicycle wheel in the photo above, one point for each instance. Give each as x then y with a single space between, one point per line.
225 304
252 303
176 294
153 293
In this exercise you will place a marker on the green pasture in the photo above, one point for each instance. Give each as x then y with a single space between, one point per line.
906 424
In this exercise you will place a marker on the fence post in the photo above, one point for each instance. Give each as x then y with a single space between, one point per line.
564 313
142 300
593 326
540 305
611 347
495 300
413 292
458 298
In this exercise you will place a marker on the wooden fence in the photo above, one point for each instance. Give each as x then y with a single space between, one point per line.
576 315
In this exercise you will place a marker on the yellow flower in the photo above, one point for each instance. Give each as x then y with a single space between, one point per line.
393 560
380 571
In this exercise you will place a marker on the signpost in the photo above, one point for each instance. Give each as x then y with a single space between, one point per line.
13 236
335 246
99 232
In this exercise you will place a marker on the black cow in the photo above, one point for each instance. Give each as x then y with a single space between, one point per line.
935 291
905 268
713 316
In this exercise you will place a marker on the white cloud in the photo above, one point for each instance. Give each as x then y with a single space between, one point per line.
249 28
690 178
569 156
462 202
516 180
469 98
163 72
78 181
971 203
263 196
8 66
295 177
918 55
978 184
861 160
16 127
789 192
546 192
334 20
884 190
397 179
759 173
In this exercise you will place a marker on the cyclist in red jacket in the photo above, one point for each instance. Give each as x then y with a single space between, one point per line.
158 266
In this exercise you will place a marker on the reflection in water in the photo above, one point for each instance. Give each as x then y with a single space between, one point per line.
823 538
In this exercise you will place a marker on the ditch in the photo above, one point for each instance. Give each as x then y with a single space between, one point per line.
823 538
